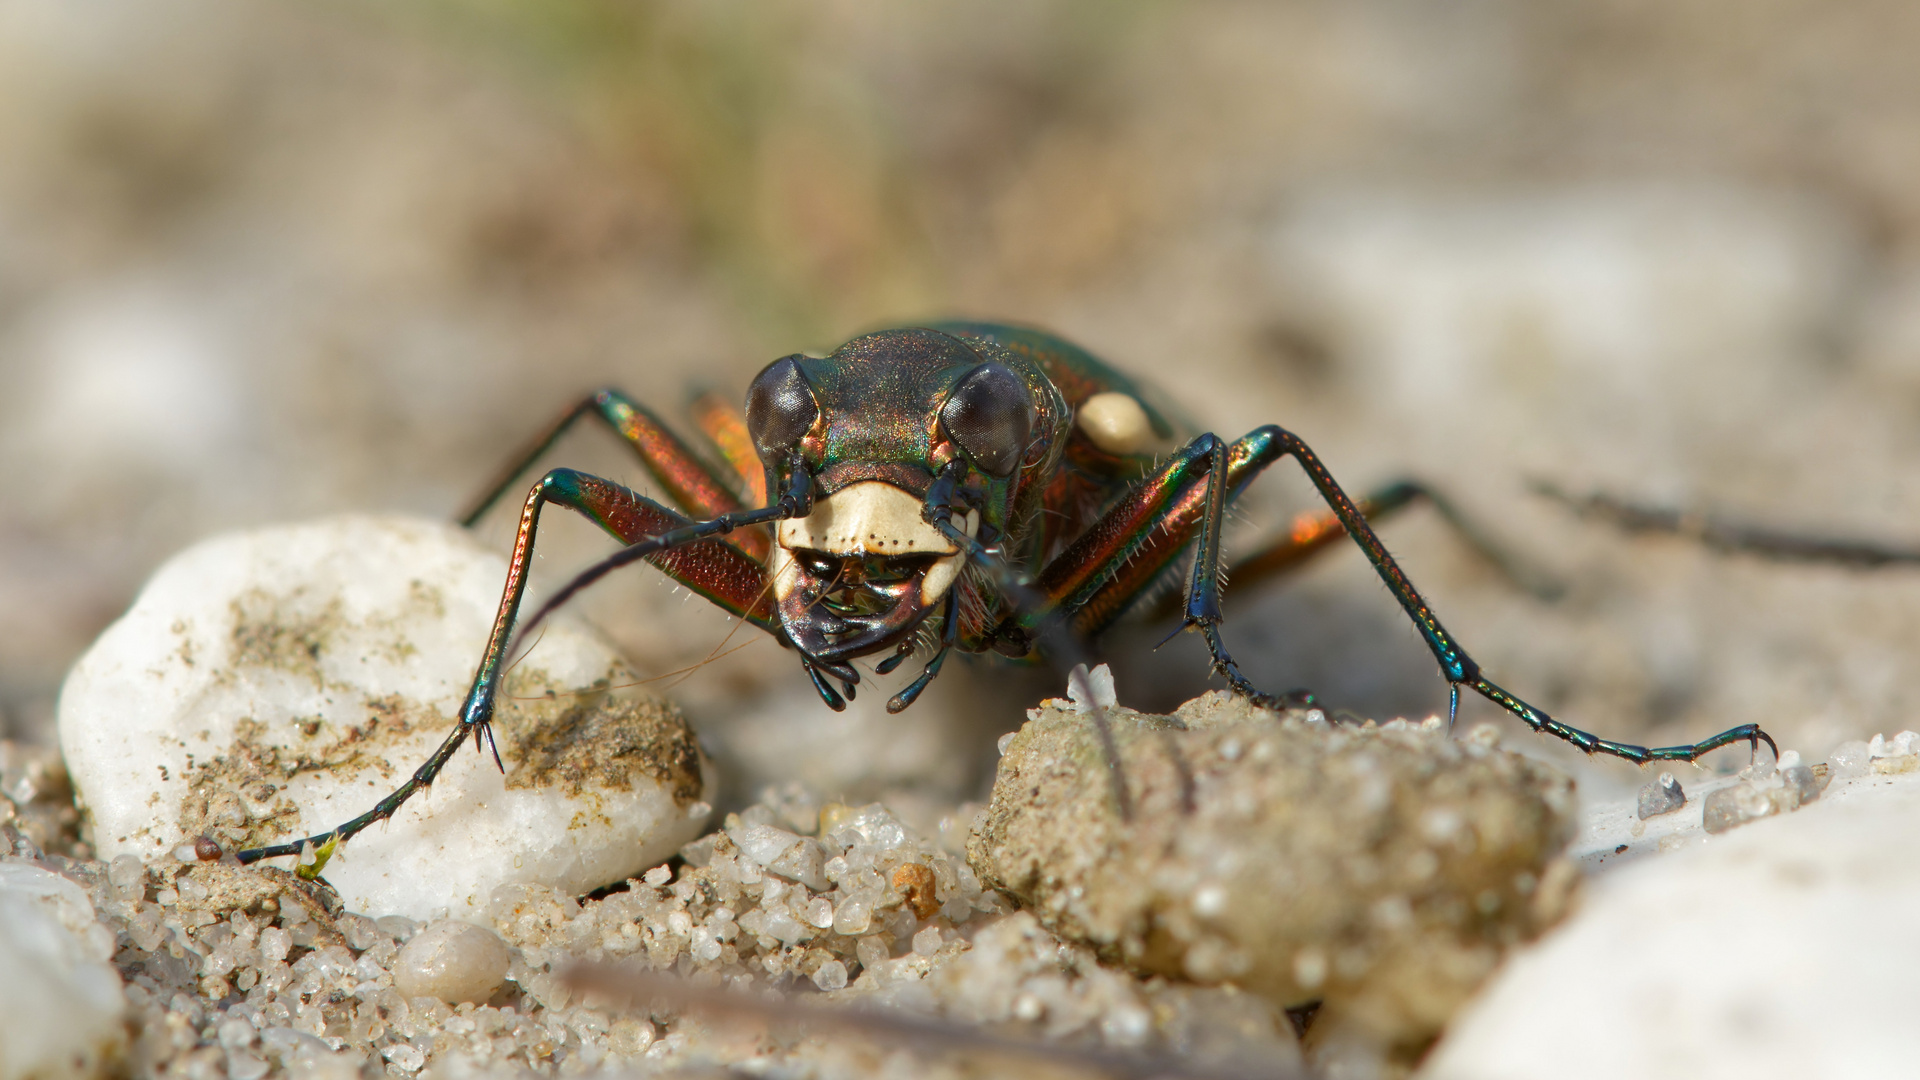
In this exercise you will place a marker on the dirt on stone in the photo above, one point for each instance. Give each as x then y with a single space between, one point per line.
1381 870
594 738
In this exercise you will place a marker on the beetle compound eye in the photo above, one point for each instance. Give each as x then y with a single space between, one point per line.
781 408
990 415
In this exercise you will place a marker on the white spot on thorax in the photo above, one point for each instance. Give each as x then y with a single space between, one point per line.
1117 424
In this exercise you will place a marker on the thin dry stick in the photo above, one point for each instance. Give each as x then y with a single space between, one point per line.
633 986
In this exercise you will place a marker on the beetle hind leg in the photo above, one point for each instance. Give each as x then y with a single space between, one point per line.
1270 443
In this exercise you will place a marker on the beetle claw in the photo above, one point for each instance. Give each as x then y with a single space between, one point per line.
827 693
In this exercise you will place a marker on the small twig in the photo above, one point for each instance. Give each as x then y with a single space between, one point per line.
919 1032
1722 535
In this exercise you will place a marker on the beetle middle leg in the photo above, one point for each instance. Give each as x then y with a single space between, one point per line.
1312 533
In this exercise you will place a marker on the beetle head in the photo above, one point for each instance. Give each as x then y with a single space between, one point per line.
873 423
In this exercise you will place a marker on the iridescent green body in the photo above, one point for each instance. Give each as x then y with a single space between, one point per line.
956 486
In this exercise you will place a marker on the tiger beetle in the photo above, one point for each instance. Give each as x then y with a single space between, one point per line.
959 485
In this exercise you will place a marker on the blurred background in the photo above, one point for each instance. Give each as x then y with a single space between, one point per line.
265 262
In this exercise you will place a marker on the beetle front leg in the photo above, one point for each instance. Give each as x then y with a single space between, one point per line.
715 570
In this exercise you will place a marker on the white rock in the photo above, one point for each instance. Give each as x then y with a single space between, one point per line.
1098 682
60 996
796 858
453 961
1778 949
273 684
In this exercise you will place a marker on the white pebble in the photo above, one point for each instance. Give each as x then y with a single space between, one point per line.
235 1033
1900 745
1850 759
128 877
852 917
785 927
796 858
61 1000
1793 961
404 1057
274 943
1099 682
820 912
831 975
927 941
398 927
871 951
452 961
299 638
658 876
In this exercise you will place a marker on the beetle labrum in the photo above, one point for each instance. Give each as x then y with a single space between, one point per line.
967 486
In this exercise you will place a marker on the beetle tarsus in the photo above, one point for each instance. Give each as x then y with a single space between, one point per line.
827 693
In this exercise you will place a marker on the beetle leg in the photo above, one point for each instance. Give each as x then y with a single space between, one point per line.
1268 444
688 481
688 551
720 420
1203 583
1313 533
1061 643
949 632
1107 568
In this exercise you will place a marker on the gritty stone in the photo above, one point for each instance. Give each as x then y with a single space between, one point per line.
1383 870
1662 795
37 812
452 961
273 684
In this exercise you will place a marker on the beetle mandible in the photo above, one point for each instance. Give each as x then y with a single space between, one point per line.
959 485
